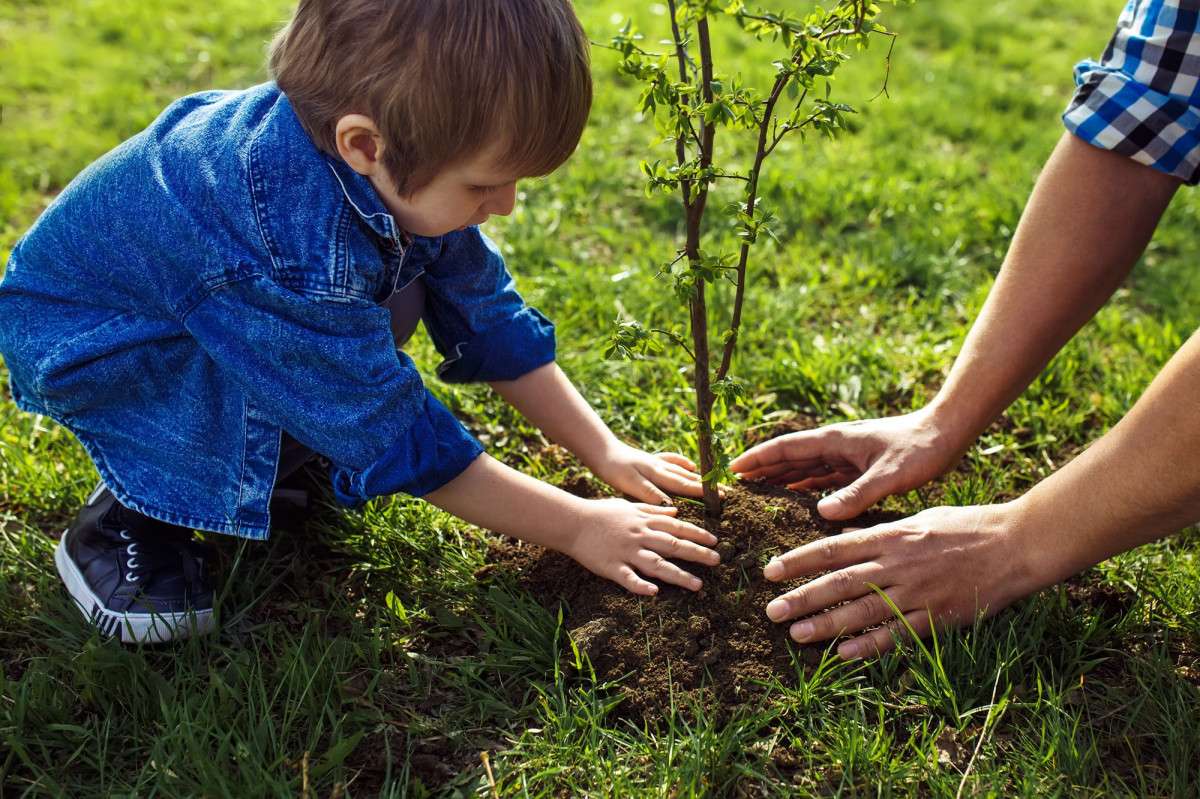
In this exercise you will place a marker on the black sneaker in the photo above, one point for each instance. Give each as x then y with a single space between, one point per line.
135 578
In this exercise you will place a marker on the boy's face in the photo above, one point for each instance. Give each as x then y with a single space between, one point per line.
459 196
463 194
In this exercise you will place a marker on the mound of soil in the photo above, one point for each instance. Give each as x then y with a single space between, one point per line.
712 646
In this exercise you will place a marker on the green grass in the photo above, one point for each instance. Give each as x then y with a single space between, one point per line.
362 656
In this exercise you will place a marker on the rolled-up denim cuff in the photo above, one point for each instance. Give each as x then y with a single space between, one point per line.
515 348
435 450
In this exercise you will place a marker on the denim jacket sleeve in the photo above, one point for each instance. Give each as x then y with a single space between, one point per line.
329 373
476 318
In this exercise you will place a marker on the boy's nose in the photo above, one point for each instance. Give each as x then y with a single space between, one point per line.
502 202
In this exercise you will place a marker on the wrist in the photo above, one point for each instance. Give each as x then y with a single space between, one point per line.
571 527
953 426
1045 550
600 453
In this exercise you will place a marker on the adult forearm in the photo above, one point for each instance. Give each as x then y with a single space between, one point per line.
548 399
1088 220
1138 483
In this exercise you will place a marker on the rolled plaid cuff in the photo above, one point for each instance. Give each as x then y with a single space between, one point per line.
1115 112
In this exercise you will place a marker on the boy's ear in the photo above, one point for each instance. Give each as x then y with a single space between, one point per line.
359 143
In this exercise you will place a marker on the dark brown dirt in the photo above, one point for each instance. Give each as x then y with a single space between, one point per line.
714 646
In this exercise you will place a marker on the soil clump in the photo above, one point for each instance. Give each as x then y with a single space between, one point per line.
713 646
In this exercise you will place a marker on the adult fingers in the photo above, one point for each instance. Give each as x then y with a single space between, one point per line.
826 554
678 460
806 445
884 639
825 592
773 470
671 546
655 565
820 483
629 579
682 529
878 482
864 612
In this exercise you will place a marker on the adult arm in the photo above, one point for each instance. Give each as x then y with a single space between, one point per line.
945 566
1089 218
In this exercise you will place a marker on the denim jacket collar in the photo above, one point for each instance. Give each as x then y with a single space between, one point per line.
364 199
296 147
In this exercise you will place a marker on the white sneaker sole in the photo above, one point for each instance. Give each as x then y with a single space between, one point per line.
128 628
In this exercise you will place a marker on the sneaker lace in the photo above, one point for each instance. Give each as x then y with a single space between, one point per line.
144 557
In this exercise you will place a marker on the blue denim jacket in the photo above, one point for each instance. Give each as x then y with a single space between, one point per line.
216 279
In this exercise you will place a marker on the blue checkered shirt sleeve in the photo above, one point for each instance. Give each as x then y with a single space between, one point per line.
1142 99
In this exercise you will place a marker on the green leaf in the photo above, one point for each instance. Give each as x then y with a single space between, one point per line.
396 606
336 755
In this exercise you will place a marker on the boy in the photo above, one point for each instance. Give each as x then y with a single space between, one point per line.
224 296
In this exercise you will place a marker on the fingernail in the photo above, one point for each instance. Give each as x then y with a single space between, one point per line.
803 631
849 651
773 570
696 586
776 610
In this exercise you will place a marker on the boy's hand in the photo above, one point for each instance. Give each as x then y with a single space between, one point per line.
648 477
626 542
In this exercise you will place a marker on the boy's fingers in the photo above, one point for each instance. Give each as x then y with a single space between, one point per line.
676 469
678 460
671 546
683 486
656 565
630 580
662 510
647 492
682 529
695 484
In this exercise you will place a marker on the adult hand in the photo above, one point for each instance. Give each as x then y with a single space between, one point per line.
866 460
943 567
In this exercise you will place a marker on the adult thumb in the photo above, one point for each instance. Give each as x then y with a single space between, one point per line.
854 499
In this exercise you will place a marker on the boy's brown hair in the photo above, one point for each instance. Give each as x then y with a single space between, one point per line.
442 79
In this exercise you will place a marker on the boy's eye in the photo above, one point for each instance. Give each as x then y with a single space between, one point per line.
483 189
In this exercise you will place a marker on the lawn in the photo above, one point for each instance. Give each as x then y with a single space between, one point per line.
361 655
